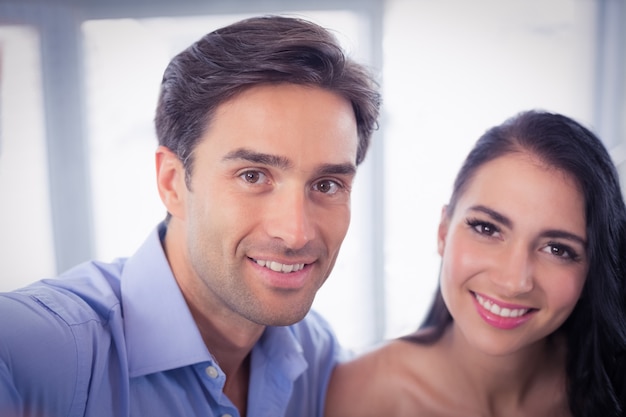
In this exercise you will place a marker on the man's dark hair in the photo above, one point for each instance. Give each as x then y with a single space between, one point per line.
255 51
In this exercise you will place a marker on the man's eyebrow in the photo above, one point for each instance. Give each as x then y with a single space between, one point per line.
284 163
258 158
337 169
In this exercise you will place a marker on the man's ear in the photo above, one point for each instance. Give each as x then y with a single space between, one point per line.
442 232
171 181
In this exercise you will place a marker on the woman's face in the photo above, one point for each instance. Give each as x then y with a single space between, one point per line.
513 254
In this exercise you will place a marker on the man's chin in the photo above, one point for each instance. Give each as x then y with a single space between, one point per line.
286 316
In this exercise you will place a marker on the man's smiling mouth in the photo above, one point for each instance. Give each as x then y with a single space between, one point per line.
278 267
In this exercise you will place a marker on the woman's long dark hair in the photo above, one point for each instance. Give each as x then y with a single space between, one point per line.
596 329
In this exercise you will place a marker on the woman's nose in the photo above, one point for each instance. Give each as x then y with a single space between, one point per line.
515 270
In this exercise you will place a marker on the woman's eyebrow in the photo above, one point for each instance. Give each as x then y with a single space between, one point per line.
500 218
562 234
551 233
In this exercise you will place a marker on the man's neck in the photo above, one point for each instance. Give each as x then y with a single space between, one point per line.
228 336
231 346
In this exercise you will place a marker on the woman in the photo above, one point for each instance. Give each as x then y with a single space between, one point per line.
528 319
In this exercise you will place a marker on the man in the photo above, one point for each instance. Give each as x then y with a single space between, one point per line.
261 125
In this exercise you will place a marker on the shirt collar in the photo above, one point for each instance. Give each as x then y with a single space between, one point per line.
282 350
160 331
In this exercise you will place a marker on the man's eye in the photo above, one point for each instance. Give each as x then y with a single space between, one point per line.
327 187
253 177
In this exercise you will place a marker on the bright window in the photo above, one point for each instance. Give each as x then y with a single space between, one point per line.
26 240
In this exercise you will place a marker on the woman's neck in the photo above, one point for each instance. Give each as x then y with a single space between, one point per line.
503 383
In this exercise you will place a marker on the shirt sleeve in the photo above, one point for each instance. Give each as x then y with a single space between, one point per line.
38 359
10 400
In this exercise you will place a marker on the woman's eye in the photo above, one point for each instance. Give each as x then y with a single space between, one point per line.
483 228
327 187
561 251
555 250
253 177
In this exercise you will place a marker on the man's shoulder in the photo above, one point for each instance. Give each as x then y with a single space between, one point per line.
57 334
88 292
74 309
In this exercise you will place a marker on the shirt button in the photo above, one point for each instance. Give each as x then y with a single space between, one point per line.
212 372
226 415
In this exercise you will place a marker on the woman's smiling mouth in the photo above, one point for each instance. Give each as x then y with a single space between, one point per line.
498 310
501 315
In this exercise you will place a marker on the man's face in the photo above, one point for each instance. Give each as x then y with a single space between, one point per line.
269 202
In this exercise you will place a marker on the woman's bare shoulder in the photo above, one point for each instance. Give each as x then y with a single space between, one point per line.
397 359
395 378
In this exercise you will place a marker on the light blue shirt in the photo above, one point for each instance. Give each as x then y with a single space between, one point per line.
118 340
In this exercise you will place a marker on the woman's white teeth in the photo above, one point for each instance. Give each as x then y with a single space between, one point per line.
278 267
500 311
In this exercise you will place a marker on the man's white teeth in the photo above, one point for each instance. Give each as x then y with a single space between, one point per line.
278 267
500 311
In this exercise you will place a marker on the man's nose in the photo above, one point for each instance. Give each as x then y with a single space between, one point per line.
290 218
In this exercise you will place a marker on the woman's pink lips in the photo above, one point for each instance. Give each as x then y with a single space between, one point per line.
501 303
504 323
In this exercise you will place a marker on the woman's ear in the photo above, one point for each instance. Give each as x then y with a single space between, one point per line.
170 175
442 232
